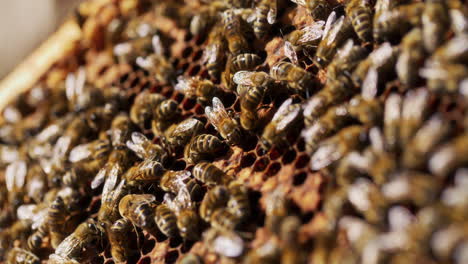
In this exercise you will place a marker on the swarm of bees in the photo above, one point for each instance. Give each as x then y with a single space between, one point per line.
267 131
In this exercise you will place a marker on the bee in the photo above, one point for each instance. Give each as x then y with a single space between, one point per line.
435 21
120 130
220 119
297 78
21 256
57 215
205 18
444 78
158 66
234 33
36 239
112 193
166 220
265 15
390 24
411 58
148 171
180 134
188 220
360 14
223 219
202 147
245 62
93 150
335 34
305 38
317 8
458 20
143 106
250 78
335 147
145 149
86 234
119 161
174 181
453 51
284 119
289 232
224 242
209 174
118 239
426 138
165 114
214 199
268 252
413 111
392 117
80 95
203 90
382 60
139 209
239 203
249 103
15 177
448 156
214 56
366 197
362 238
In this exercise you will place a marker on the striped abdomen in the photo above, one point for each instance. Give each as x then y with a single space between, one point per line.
361 19
166 220
261 24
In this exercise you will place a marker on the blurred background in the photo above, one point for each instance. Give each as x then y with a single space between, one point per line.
25 24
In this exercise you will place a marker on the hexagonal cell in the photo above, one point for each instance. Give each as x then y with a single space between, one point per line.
148 246
273 169
302 161
247 160
288 157
299 178
145 260
261 164
171 256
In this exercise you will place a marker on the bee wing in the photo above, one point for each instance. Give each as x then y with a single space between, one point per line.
377 140
144 63
185 85
169 200
61 147
369 85
185 125
415 104
243 78
137 143
157 45
210 52
183 198
311 33
381 55
288 119
26 211
48 132
290 52
229 245
433 72
217 113
330 20
70 86
39 218
382 5
333 32
15 175
180 177
80 152
272 13
282 110
299 2
327 153
347 47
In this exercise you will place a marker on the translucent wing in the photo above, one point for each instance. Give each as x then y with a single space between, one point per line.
299 2
369 85
313 32
330 20
111 181
80 80
334 30
325 155
80 152
243 78
15 175
217 114
381 55
179 179
48 132
414 104
229 245
282 110
157 45
61 147
170 202
26 211
346 49
392 111
39 218
288 118
137 144
8 154
70 86
210 53
185 125
183 198
271 16
377 139
185 85
290 52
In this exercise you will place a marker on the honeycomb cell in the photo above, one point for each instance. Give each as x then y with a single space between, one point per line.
145 260
197 55
288 157
193 70
187 52
148 246
273 169
247 160
171 256
260 164
302 161
299 178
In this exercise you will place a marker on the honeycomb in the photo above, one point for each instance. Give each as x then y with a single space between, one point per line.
392 193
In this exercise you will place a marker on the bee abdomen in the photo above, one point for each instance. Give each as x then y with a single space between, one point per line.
246 61
35 240
223 219
361 20
208 173
166 221
261 24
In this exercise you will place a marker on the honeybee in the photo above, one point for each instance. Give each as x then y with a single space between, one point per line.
202 147
118 162
214 54
435 21
57 214
145 149
15 177
392 117
239 203
458 20
214 199
411 58
139 209
452 51
148 171
366 231
360 14
143 106
174 181
205 18
120 130
223 219
203 90
209 174
249 103
92 150
305 38
250 78
335 147
112 193
265 11
166 220
80 95
382 60
449 156
86 234
224 242
245 62
345 61
36 238
180 134
234 33
413 111
118 239
424 141
366 197
188 220
444 78
390 24
318 8
335 34
165 114
276 131
159 67
296 77
21 256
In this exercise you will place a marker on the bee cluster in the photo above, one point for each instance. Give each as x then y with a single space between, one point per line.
240 131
